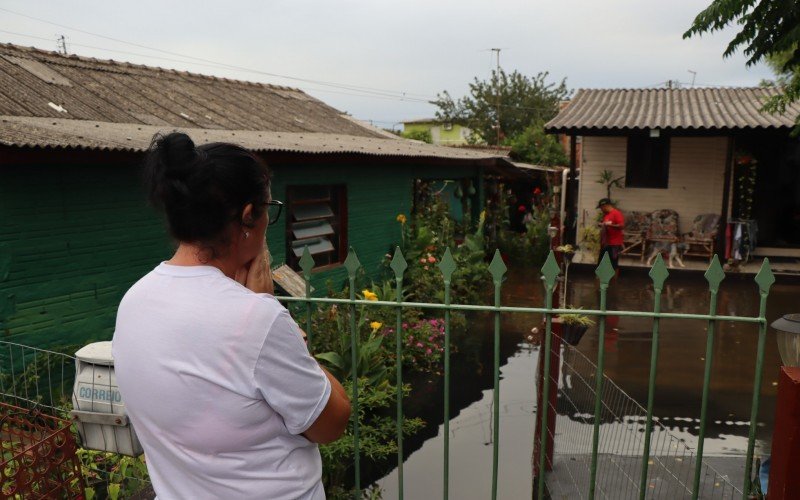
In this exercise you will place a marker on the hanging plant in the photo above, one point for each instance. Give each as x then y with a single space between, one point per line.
745 171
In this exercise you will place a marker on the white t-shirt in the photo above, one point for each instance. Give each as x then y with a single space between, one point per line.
218 384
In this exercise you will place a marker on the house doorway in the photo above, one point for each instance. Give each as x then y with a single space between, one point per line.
776 200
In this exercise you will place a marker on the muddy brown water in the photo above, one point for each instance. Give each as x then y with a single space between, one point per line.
679 377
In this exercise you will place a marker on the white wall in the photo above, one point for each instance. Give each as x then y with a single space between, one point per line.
696 178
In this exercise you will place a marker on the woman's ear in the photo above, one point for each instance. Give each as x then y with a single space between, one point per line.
247 215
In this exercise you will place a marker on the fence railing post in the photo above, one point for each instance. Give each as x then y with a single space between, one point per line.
605 271
714 275
659 274
447 266
765 279
497 268
352 265
550 272
399 266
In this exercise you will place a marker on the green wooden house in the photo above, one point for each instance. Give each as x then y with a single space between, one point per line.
76 232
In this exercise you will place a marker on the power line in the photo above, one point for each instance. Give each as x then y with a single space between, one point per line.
398 93
353 93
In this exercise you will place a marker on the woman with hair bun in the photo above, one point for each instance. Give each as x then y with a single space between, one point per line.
217 380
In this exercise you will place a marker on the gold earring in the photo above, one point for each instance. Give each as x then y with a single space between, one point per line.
247 234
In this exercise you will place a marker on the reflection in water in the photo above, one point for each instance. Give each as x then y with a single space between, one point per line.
627 344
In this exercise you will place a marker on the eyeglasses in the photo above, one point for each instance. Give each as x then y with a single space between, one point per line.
274 208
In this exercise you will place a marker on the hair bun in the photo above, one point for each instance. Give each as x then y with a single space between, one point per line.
177 153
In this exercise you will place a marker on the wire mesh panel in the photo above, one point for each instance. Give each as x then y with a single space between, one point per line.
671 465
39 456
32 376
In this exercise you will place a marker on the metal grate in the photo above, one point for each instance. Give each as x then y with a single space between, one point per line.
38 459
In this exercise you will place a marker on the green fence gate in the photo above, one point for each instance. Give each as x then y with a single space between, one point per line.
551 272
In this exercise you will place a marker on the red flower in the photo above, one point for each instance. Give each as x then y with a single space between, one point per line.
537 191
521 209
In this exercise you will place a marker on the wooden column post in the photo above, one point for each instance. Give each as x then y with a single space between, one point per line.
784 471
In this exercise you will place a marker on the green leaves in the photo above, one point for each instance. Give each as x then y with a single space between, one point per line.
526 100
766 29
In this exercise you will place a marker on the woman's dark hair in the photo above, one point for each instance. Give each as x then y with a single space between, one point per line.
203 189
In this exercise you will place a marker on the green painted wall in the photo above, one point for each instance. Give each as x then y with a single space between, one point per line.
76 238
73 239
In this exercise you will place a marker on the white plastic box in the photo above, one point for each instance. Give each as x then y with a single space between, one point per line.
98 408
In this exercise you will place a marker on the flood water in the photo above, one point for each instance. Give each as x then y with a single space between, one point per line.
628 343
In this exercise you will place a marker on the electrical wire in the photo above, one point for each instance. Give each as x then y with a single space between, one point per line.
396 93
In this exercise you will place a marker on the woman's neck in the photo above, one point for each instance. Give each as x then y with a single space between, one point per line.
192 255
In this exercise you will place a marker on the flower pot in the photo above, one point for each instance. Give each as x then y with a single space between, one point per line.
572 334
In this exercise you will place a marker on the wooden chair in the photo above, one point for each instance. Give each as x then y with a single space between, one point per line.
701 238
663 226
636 226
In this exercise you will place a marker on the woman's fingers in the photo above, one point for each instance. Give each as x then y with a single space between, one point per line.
259 276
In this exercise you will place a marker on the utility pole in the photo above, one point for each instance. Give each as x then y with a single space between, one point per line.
62 44
694 76
497 114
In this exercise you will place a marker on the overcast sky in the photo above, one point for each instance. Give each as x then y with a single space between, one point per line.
380 51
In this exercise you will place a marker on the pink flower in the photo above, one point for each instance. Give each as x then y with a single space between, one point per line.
426 268
428 351
411 338
422 260
430 339
431 259
419 344
405 325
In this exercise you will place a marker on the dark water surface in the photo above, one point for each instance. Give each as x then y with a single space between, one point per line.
628 343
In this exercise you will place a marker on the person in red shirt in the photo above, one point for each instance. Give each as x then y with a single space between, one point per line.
611 231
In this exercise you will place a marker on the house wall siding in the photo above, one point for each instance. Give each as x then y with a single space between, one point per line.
696 178
74 238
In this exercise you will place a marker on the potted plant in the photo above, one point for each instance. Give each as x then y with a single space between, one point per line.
574 326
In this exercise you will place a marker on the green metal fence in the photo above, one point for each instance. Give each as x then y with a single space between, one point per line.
26 385
550 277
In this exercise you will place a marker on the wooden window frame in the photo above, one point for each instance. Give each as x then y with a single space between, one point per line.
647 162
337 200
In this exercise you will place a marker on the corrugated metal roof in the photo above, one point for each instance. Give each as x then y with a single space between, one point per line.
96 135
109 91
678 109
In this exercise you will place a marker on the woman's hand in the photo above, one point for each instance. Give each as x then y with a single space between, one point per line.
258 275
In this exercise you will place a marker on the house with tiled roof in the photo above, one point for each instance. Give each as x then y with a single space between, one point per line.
694 151
75 231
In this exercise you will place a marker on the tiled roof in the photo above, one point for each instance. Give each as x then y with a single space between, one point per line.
36 83
94 135
677 109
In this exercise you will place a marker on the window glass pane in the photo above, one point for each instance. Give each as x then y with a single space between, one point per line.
313 211
315 246
311 229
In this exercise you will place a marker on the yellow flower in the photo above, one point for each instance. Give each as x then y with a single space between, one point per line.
483 215
401 219
375 325
369 295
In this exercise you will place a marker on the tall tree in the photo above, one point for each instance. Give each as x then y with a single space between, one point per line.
769 30
521 100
